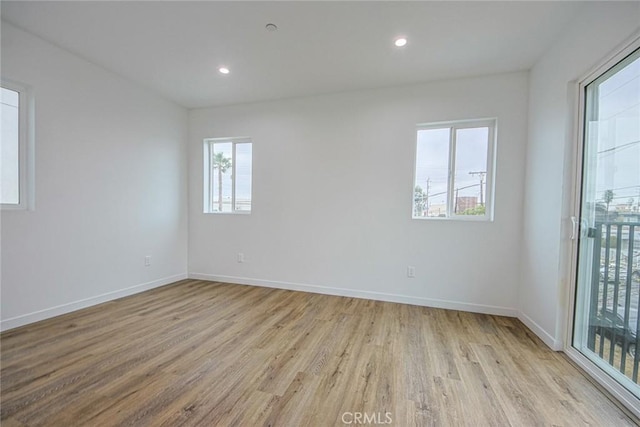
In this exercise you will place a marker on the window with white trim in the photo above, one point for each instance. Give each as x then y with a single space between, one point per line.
14 147
227 175
454 170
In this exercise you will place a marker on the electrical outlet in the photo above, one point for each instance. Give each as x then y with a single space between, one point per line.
411 271
147 261
240 257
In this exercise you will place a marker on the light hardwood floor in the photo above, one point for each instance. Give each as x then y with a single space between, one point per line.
204 353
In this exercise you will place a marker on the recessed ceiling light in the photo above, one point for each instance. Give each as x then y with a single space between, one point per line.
271 27
400 42
223 70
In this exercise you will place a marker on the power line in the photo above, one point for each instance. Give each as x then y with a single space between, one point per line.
627 196
459 188
468 186
618 147
619 87
619 112
624 188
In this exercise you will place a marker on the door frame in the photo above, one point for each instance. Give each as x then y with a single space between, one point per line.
628 399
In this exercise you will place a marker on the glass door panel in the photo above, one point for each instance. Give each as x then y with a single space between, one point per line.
606 322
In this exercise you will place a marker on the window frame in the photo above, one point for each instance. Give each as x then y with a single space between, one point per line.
453 126
208 144
26 199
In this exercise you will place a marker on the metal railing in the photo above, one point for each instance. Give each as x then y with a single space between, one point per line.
615 295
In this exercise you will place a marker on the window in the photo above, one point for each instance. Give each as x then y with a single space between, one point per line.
14 153
454 170
227 175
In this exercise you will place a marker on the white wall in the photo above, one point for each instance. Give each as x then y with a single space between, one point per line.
332 188
548 189
333 180
110 187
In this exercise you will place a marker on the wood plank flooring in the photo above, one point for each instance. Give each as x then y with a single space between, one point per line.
213 354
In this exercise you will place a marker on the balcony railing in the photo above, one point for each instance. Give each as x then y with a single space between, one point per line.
615 295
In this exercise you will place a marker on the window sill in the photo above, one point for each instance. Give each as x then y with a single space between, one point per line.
454 218
228 213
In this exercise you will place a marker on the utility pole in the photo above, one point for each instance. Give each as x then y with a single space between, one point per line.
455 208
426 194
480 174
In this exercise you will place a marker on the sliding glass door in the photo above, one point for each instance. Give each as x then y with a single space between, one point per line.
607 297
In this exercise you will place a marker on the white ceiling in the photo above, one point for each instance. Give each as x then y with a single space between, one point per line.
175 48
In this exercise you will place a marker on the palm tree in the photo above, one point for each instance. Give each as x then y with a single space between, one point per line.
222 164
608 198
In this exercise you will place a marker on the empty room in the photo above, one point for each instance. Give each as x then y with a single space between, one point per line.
320 213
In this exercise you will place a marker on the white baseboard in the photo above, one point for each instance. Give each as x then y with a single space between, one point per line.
546 337
47 313
354 293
